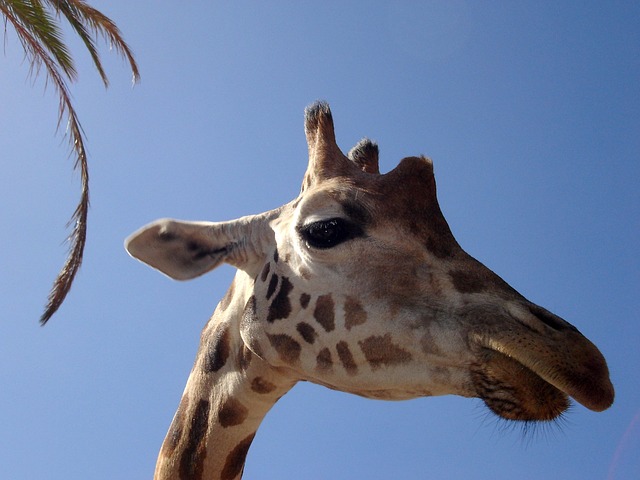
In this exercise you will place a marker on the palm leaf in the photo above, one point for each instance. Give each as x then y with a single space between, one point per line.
41 39
88 21
85 36
43 30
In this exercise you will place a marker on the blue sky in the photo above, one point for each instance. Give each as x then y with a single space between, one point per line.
531 114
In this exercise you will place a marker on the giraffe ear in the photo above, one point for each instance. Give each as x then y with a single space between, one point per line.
183 250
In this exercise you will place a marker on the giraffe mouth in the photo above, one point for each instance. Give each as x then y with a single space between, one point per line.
515 392
524 383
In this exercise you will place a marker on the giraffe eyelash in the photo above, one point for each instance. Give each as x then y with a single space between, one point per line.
325 234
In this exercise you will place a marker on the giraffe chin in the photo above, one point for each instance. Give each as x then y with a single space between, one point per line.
514 392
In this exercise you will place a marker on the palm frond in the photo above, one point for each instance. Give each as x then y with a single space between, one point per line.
88 40
41 39
84 19
33 18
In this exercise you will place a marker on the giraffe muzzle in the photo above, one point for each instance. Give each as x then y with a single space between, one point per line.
526 375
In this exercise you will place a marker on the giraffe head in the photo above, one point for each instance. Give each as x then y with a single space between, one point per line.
358 284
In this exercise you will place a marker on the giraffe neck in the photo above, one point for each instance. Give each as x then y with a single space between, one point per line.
228 393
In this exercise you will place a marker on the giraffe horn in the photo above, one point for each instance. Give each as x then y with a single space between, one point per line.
365 156
318 127
326 160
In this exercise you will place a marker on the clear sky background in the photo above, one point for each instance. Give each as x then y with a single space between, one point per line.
531 114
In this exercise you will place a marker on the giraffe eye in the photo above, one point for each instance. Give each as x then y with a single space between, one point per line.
327 233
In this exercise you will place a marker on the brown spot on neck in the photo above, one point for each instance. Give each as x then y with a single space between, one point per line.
232 413
273 283
354 313
234 464
262 386
194 453
218 349
324 312
307 332
280 306
380 350
346 357
288 349
324 362
304 300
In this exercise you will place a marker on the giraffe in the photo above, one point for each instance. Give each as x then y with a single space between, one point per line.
358 285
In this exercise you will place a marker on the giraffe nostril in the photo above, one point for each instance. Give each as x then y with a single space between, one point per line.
549 319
